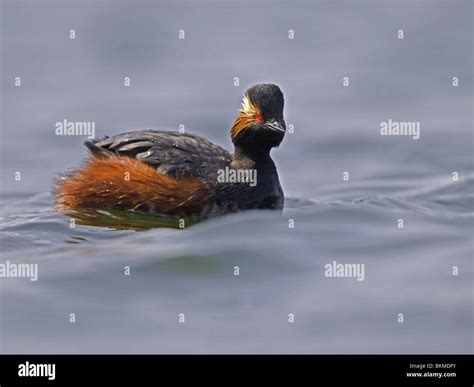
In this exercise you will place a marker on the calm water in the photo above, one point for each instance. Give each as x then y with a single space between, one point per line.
281 269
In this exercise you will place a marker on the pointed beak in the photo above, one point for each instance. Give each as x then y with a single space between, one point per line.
275 125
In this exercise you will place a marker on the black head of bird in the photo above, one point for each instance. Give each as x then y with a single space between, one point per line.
260 125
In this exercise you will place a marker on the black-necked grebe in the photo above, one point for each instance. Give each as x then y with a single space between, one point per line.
172 173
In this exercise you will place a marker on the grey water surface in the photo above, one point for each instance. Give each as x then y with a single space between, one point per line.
426 182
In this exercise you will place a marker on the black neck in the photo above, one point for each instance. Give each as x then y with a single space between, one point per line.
245 158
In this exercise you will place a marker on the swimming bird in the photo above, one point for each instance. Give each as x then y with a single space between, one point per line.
181 174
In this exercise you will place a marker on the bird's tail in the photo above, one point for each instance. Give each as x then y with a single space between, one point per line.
109 181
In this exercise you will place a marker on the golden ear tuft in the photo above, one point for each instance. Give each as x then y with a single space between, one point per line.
247 115
247 106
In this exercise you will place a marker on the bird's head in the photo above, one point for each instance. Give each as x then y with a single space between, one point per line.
260 124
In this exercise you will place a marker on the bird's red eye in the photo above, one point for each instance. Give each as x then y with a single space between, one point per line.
258 117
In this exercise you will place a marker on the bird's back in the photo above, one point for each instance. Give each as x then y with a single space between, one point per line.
171 153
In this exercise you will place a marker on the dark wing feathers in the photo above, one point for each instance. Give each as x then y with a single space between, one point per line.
172 153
